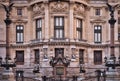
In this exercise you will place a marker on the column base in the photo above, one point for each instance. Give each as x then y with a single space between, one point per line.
8 75
112 75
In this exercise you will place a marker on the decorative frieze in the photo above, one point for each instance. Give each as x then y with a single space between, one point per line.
38 9
58 7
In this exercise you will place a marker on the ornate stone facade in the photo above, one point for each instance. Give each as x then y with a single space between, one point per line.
86 11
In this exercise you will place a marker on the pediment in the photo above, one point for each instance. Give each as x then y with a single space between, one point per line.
97 21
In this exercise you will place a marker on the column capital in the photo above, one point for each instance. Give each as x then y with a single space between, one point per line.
112 21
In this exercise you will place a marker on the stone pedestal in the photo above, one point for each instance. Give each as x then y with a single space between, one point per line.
8 75
82 77
112 75
38 76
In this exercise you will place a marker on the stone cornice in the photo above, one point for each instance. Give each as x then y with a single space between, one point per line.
78 44
2 45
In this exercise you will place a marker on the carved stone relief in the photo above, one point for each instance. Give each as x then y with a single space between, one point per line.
79 9
59 7
38 9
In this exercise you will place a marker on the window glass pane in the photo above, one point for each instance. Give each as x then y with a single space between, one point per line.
61 21
79 28
97 33
40 23
97 11
95 37
21 37
81 56
37 56
56 22
99 37
77 23
61 34
39 28
57 33
18 27
19 11
59 27
18 37
19 33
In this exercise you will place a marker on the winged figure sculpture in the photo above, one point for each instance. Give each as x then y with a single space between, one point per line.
7 8
112 9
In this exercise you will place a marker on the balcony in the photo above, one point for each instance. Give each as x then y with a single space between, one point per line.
19 1
59 40
36 41
81 40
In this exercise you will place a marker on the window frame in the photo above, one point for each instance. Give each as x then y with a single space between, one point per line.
97 11
19 34
21 60
39 28
79 27
36 56
59 27
81 56
97 34
19 11
98 58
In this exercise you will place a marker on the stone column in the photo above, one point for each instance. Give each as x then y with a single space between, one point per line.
71 18
46 30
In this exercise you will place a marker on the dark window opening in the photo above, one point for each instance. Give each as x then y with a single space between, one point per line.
39 28
59 51
37 56
20 57
97 57
81 56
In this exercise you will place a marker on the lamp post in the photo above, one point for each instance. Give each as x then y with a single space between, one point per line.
112 61
101 74
98 74
81 66
7 64
19 75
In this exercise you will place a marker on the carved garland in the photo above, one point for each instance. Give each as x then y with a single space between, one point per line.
59 7
38 9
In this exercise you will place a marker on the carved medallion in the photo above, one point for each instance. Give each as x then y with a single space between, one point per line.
59 7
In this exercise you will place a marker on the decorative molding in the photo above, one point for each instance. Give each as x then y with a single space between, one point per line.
79 9
38 9
58 7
